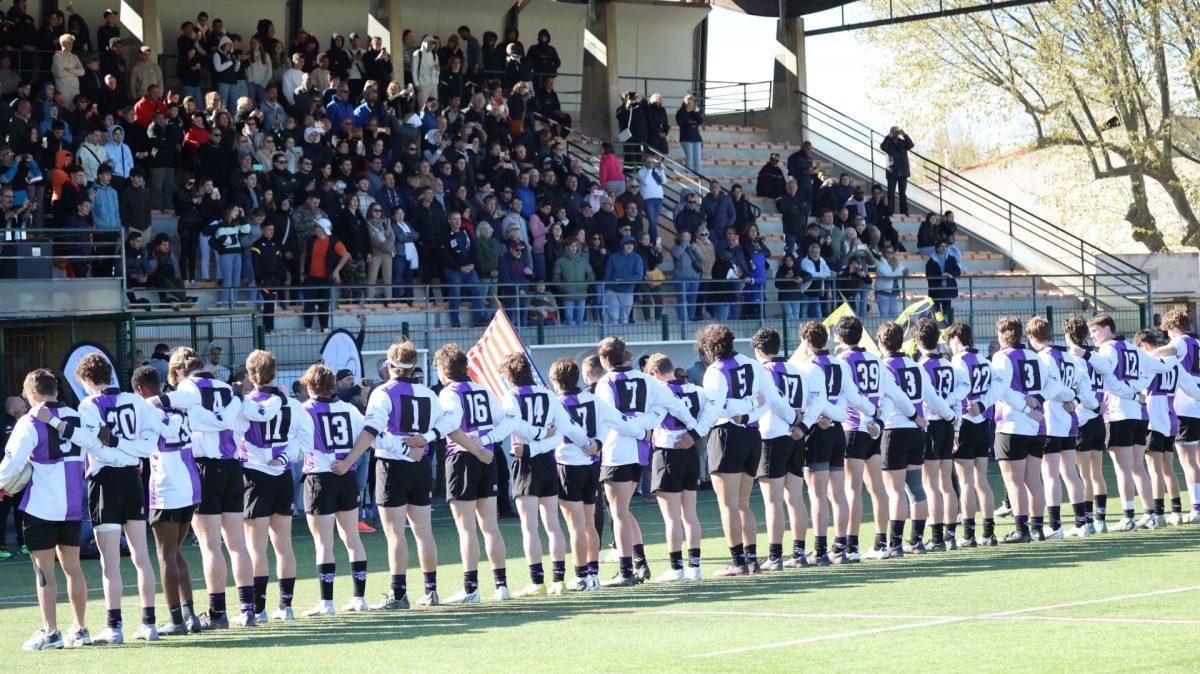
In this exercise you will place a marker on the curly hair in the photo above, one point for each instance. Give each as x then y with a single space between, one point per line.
849 329
715 342
1075 329
184 361
815 334
890 336
961 331
94 368
260 367
516 369
318 379
766 340
1177 319
451 362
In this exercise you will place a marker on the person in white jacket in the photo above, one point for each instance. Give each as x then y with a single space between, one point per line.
273 432
817 273
67 69
652 178
425 70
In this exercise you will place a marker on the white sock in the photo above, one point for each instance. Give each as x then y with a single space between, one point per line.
1129 505
1196 493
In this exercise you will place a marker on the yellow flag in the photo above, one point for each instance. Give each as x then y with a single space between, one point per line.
801 354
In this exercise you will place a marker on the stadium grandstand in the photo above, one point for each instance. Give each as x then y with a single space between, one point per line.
364 182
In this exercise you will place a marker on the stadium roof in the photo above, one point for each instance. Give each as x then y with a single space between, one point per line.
771 7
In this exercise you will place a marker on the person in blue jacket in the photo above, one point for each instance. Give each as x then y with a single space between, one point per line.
622 272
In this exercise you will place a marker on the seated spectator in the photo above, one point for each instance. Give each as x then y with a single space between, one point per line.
929 234
771 182
137 266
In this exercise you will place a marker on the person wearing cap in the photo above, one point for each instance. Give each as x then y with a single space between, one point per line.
143 74
322 262
212 362
226 72
112 62
623 270
515 273
108 30
770 181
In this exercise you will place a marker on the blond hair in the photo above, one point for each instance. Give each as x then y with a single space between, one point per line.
260 367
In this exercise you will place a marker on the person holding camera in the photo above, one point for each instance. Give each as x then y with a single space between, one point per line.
689 118
896 145
631 122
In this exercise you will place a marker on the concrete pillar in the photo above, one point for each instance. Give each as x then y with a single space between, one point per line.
787 117
600 70
151 27
386 19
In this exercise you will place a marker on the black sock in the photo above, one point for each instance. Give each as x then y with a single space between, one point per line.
839 544
216 604
176 612
626 565
938 535
581 571
752 553
1101 506
676 557
246 598
1022 522
500 577
774 551
918 531
639 554
558 570
797 549
358 570
1037 522
852 543
1087 510
430 581
1159 506
737 555
950 531
694 557
1080 511
188 609
820 545
1127 512
536 574
593 568
114 618
287 590
1177 505
471 580
989 527
325 575
880 541
148 617
895 533
399 585
1055 513
260 593
969 527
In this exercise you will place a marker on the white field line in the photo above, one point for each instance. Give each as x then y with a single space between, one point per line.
926 617
937 621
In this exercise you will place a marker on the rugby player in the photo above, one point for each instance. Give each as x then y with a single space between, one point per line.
1164 426
212 410
51 439
825 461
937 472
273 432
403 471
1062 427
174 493
1131 371
474 424
116 500
1186 347
1092 439
535 473
781 467
975 434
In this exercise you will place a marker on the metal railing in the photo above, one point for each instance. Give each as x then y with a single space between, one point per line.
1079 266
55 247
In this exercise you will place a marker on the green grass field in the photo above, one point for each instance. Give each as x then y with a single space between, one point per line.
1119 602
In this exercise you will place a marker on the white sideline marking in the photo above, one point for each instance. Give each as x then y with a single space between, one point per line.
939 621
907 616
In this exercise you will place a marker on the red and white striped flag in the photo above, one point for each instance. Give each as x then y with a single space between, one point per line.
499 340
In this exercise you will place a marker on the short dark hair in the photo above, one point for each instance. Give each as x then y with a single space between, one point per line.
849 329
890 336
766 340
1145 338
145 377
963 332
815 333
516 369
927 334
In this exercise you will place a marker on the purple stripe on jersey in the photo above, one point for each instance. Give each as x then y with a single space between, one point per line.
190 461
1172 416
1191 356
1016 357
254 434
73 472
461 388
970 360
228 445
315 409
670 423
397 389
616 391
1120 347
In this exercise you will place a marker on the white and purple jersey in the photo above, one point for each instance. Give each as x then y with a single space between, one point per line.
538 410
1161 394
636 395
868 370
1093 405
55 493
134 424
1059 422
597 419
1187 349
333 426
1018 372
945 384
212 411
1131 370
472 409
174 480
671 429
913 383
802 389
400 409
734 383
976 371
272 426
841 389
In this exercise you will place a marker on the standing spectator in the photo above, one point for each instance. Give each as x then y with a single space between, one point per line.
226 235
407 258
66 69
787 285
259 71
266 257
106 218
623 270
652 179
135 203
487 253
597 254
770 181
657 125
890 273
688 259
426 70
689 118
543 58
897 145
108 30
649 293
705 244
929 235
91 154
687 214
817 275
144 74
227 70
572 276
458 270
717 208
120 157
631 121
852 283
383 250
514 275
113 63
322 261
941 273
794 210
745 213
549 106
612 174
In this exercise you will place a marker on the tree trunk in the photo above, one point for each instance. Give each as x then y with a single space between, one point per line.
1169 179
1139 217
